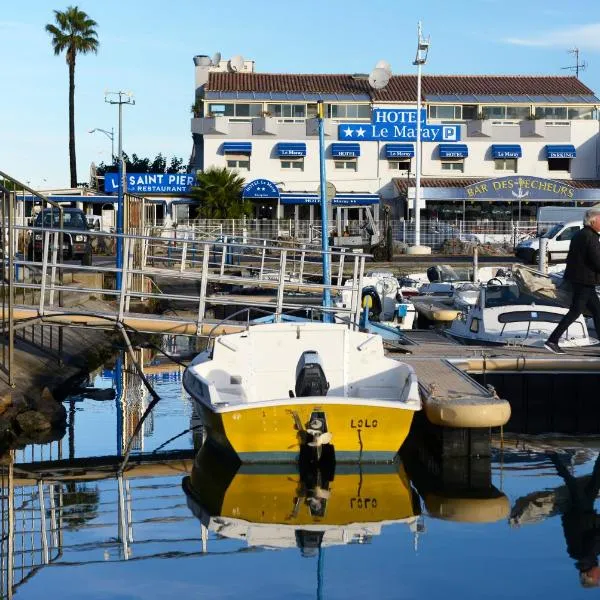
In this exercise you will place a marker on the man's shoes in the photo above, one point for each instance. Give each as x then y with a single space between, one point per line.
553 347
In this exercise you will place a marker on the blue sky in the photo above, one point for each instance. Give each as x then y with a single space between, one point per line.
147 48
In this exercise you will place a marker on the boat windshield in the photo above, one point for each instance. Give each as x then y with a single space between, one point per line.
552 231
501 295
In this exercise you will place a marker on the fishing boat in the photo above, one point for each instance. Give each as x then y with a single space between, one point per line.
273 507
280 391
504 315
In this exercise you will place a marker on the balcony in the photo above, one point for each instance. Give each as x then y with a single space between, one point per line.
210 125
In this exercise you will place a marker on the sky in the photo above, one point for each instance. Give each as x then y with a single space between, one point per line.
147 47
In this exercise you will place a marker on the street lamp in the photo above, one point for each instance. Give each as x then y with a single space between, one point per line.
378 79
111 136
120 98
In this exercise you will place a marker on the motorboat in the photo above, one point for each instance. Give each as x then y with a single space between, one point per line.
277 391
273 507
504 315
386 302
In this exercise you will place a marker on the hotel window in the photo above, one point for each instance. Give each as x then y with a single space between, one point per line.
505 164
349 164
445 111
235 110
470 112
581 112
559 164
287 111
296 164
348 111
551 112
240 162
501 112
457 166
399 164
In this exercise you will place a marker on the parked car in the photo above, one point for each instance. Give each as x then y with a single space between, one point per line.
559 240
75 245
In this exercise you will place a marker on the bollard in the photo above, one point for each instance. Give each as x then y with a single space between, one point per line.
475 264
543 256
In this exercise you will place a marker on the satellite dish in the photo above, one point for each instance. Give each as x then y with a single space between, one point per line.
385 65
236 63
216 59
379 78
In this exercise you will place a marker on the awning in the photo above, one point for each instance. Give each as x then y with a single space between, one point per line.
453 150
237 147
345 150
291 149
350 199
560 151
399 150
506 151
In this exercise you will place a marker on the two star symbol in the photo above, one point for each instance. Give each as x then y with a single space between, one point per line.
360 132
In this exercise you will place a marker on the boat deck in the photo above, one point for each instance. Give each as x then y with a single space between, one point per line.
451 398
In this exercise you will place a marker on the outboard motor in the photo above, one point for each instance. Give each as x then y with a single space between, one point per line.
310 378
375 307
434 274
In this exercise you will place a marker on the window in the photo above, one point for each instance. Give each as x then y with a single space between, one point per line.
235 110
469 112
493 112
505 164
287 111
453 165
350 164
348 111
567 234
399 165
242 164
514 113
474 327
518 113
559 164
292 163
550 112
445 111
580 112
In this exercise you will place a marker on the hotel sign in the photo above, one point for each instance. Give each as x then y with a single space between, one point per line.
519 187
397 125
260 188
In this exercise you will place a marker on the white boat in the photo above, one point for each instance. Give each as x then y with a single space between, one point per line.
503 315
387 304
276 390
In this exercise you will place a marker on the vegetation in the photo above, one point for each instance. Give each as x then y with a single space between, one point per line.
220 194
135 164
74 33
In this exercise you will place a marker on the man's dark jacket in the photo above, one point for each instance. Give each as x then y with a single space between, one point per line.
583 261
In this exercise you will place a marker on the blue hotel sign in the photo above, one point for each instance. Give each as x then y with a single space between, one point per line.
397 125
151 183
260 188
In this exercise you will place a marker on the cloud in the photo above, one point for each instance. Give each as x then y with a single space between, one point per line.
583 36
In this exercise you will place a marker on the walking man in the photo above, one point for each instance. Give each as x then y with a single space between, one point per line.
583 273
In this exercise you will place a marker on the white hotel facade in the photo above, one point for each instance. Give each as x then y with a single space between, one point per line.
536 138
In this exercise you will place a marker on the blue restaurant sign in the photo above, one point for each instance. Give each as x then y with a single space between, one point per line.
397 125
260 188
151 183
520 187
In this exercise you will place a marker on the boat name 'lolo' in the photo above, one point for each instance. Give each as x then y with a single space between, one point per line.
366 423
360 503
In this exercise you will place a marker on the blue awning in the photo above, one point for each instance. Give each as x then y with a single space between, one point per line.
237 147
453 150
506 151
399 150
345 150
350 199
291 149
560 151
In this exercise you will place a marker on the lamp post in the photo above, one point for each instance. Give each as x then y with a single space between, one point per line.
111 136
327 317
420 60
120 98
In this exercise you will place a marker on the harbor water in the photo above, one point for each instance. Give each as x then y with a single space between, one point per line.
173 526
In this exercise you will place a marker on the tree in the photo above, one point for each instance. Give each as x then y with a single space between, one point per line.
73 34
220 194
135 164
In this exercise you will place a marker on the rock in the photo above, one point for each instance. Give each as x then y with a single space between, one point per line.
32 422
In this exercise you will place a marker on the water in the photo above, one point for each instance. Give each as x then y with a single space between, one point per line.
139 538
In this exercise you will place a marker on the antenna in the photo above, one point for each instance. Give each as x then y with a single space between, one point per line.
578 66
379 78
236 63
385 65
216 59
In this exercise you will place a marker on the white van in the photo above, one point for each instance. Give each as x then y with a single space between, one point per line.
559 239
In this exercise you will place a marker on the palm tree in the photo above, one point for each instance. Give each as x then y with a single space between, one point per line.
220 194
74 34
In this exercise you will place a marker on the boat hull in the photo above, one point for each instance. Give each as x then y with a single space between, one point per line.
361 433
